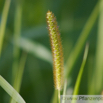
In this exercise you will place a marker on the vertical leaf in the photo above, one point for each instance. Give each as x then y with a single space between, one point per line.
3 22
97 84
81 40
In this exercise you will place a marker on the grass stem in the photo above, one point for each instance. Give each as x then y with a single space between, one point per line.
97 80
3 22
59 96
16 69
77 85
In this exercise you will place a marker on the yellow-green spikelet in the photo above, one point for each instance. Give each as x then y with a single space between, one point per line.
56 50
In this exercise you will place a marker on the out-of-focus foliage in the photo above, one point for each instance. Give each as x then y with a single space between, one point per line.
37 84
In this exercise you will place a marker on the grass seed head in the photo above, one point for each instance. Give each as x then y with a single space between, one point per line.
57 52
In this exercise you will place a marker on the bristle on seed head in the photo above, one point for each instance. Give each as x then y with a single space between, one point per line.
56 50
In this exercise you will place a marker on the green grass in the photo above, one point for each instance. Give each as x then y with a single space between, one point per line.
3 22
81 40
97 77
27 64
77 85
11 91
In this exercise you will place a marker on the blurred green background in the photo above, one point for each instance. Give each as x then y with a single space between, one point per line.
37 83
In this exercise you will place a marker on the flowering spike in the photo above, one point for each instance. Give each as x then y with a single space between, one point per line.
56 47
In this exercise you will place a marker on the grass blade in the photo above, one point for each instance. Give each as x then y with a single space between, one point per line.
55 97
19 74
64 91
18 78
11 91
81 41
17 30
17 71
76 88
97 84
36 49
3 22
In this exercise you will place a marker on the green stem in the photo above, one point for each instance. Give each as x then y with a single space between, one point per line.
97 84
20 71
59 96
17 70
64 90
55 97
3 22
99 52
76 88
19 74
17 30
16 51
